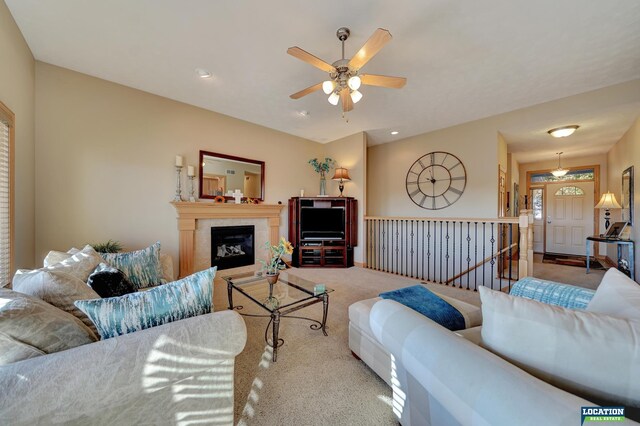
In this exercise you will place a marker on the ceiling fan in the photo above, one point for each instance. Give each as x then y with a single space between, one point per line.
344 74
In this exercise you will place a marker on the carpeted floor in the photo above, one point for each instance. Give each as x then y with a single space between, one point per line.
316 380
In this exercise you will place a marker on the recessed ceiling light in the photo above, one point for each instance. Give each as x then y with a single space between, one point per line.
564 131
395 132
202 73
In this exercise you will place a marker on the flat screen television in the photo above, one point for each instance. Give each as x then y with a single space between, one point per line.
322 223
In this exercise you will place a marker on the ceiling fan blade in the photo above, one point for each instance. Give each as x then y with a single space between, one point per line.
376 42
383 81
303 55
306 91
347 103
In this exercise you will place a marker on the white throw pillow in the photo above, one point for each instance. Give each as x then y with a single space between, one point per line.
617 295
592 355
54 256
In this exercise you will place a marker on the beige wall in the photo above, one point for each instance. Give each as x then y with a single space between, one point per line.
350 153
105 156
624 154
17 87
474 143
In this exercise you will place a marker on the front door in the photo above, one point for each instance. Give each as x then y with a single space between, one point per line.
569 216
537 206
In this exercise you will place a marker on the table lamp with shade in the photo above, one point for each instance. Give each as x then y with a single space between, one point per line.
608 202
341 175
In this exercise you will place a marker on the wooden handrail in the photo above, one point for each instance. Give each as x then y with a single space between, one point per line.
461 274
449 219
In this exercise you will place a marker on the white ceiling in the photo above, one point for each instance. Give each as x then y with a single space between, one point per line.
464 60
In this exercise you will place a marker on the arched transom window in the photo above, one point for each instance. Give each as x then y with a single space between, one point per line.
569 190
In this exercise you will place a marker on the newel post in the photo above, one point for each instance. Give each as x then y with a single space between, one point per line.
525 262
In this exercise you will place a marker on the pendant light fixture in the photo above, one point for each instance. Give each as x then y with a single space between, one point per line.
559 172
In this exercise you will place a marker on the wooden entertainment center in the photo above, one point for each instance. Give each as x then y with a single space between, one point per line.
323 231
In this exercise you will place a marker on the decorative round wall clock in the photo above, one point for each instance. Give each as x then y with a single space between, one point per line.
436 180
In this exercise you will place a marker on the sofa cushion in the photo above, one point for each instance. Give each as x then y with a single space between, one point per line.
188 297
58 288
30 327
142 267
593 355
108 281
617 295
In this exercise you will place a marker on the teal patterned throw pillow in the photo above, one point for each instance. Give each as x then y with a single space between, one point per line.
188 297
142 267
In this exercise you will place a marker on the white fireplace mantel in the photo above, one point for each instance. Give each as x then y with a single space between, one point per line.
189 213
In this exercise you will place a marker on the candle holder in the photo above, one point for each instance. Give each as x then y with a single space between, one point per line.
178 196
192 197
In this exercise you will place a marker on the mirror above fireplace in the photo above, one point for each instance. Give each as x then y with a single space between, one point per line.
221 173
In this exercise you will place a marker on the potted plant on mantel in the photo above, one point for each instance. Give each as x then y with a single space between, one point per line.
322 168
274 265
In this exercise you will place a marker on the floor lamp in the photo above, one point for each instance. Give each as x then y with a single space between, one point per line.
607 202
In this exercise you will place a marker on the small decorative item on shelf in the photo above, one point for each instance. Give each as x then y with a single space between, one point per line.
219 199
275 264
179 162
251 201
322 168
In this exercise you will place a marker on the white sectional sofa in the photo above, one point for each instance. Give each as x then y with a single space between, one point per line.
176 373
439 377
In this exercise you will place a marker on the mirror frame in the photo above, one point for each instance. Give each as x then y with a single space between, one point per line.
227 157
628 188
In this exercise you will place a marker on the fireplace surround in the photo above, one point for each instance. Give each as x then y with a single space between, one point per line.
189 214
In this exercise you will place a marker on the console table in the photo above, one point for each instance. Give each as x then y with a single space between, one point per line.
619 243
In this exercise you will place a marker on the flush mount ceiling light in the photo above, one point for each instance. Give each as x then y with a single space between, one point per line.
344 74
202 73
395 132
559 172
563 132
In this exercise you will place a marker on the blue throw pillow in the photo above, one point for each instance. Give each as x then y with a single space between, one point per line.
142 267
188 297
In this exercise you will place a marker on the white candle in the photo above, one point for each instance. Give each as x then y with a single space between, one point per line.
190 171
179 160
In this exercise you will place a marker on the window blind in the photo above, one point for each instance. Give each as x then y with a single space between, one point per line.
5 202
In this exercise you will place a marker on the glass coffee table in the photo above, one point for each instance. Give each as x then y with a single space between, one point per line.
289 294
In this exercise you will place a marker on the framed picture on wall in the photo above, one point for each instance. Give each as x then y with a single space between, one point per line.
627 195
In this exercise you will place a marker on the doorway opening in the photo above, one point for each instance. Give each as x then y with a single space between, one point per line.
564 211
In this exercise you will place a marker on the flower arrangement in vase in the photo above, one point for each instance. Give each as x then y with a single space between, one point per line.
274 265
322 168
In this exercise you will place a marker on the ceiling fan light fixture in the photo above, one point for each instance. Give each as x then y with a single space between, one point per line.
328 86
354 83
356 96
334 98
564 131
